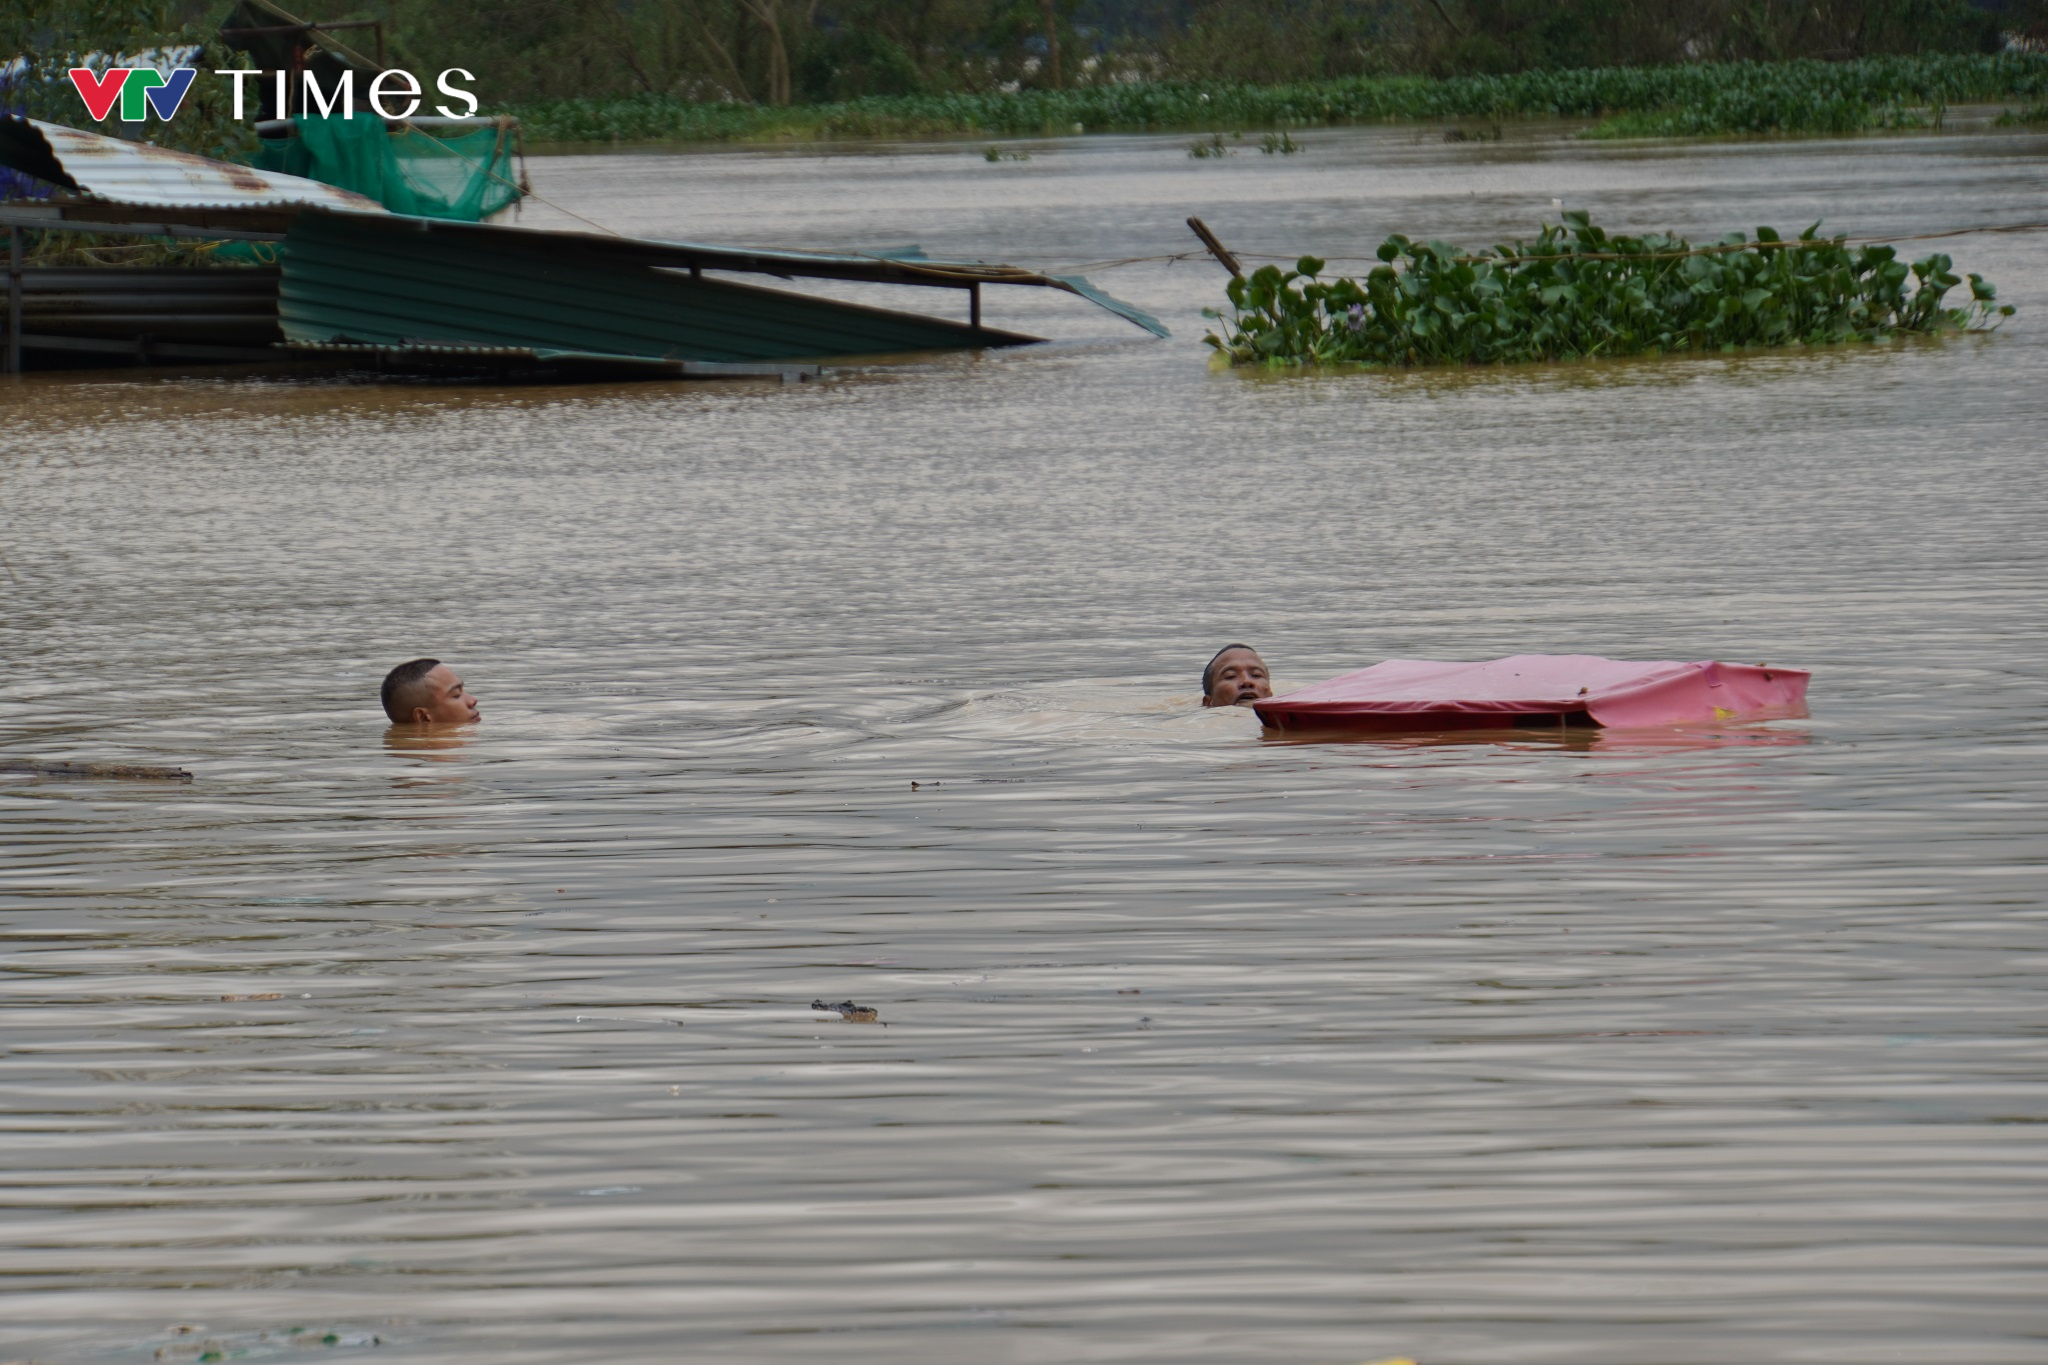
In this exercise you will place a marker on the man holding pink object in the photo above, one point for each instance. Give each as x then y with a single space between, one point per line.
1237 676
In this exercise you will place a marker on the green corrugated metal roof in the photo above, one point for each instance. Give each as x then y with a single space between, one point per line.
390 281
892 265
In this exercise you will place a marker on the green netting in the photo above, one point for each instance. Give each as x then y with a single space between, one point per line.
440 174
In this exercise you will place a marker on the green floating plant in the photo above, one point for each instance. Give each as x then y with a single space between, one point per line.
1575 293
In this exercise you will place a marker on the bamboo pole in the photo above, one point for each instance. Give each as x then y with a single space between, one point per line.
1216 248
1052 44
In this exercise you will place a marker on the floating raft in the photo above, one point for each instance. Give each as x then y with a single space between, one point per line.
1424 694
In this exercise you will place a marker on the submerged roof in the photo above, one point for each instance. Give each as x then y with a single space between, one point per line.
117 171
905 266
380 282
134 187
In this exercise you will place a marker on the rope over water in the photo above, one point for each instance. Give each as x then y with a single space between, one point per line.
1717 249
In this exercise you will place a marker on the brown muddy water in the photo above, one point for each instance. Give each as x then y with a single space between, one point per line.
1192 1047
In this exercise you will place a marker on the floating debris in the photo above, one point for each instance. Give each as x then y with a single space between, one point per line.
850 1012
261 995
127 771
256 1345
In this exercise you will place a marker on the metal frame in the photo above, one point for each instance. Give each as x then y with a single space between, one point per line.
377 24
55 218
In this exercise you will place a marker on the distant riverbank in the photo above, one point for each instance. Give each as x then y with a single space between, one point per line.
1695 100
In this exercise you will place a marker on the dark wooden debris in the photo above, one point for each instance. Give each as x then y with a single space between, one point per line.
37 767
850 1012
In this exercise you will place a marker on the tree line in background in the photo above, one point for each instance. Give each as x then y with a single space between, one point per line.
818 51
780 52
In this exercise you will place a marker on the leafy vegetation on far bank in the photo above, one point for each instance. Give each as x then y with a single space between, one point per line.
1694 99
42 39
1575 293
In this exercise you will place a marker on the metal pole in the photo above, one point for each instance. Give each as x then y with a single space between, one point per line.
13 365
974 305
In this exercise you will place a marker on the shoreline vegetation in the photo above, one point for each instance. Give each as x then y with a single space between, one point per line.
1575 293
1690 100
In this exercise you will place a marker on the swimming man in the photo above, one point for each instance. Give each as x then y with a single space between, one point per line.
426 692
1235 677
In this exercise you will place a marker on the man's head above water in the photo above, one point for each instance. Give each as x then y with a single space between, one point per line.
1236 675
427 692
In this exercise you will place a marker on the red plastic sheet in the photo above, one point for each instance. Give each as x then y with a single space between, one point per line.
1421 694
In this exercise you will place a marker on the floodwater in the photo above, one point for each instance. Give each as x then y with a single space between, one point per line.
1193 1047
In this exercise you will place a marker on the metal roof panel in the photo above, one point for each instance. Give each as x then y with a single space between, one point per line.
899 266
382 282
123 172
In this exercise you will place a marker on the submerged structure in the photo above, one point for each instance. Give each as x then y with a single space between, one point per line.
355 284
1543 689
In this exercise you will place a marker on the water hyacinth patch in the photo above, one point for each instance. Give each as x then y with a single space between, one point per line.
1575 293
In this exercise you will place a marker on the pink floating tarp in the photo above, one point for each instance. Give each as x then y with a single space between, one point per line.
1422 694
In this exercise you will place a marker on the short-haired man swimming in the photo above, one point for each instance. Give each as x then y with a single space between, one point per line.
427 692
1235 677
